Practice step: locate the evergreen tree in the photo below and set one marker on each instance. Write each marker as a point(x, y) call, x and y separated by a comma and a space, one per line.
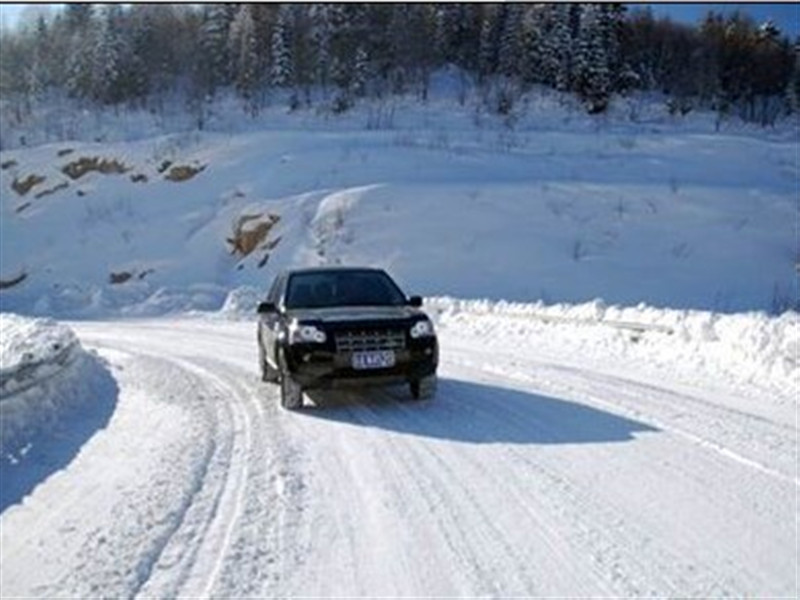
point(591, 77)
point(510, 38)
point(488, 43)
point(78, 17)
point(448, 23)
point(361, 71)
point(531, 62)
point(282, 71)
point(793, 84)
point(82, 64)
point(144, 52)
point(107, 75)
point(320, 15)
point(557, 47)
point(213, 68)
point(243, 48)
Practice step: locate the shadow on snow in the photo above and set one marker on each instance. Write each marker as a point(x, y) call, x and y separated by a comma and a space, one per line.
point(50, 450)
point(475, 413)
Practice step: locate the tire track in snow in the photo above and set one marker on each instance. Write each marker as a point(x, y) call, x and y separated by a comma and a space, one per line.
point(265, 539)
point(252, 484)
point(190, 553)
point(769, 433)
point(687, 576)
point(532, 498)
point(457, 513)
point(227, 508)
point(483, 549)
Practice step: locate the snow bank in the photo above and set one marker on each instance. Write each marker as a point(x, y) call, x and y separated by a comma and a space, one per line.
point(241, 303)
point(751, 347)
point(32, 349)
point(44, 375)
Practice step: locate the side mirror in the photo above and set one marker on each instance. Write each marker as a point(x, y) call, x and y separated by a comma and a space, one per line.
point(415, 301)
point(266, 307)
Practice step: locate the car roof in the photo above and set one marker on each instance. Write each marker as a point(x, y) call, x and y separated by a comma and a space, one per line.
point(331, 269)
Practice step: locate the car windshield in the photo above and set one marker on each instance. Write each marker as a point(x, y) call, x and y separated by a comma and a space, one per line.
point(342, 288)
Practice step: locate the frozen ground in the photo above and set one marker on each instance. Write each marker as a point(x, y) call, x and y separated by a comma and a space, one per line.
point(558, 459)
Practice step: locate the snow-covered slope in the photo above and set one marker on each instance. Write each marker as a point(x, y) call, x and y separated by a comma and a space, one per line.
point(455, 203)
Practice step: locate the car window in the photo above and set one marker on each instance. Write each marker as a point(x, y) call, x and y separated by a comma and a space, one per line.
point(274, 290)
point(342, 288)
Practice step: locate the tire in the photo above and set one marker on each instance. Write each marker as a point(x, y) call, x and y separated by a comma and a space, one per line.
point(268, 374)
point(291, 391)
point(423, 389)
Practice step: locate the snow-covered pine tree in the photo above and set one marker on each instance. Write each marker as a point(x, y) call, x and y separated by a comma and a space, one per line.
point(531, 42)
point(610, 22)
point(348, 31)
point(361, 71)
point(214, 66)
point(37, 75)
point(247, 66)
point(447, 22)
point(557, 46)
point(793, 85)
point(591, 79)
point(282, 65)
point(78, 17)
point(83, 32)
point(488, 42)
point(107, 57)
point(510, 37)
point(320, 15)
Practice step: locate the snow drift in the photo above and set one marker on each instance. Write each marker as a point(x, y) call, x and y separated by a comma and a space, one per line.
point(752, 348)
point(46, 379)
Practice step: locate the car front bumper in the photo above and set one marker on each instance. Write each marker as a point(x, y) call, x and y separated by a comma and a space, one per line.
point(315, 368)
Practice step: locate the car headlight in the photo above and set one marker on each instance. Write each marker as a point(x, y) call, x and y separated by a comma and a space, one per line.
point(300, 333)
point(422, 329)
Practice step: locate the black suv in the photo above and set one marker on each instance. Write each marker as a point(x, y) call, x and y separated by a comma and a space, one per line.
point(320, 327)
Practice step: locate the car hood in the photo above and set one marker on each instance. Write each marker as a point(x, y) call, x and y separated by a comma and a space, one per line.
point(354, 313)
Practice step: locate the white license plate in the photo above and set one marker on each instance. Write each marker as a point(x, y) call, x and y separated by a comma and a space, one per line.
point(378, 359)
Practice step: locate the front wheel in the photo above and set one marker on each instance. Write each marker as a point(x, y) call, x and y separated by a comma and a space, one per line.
point(423, 389)
point(268, 374)
point(291, 391)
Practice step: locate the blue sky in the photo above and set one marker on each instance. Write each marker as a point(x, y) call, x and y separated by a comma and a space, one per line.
point(786, 15)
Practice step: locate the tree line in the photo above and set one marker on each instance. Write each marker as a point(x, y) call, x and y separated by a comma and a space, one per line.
point(141, 54)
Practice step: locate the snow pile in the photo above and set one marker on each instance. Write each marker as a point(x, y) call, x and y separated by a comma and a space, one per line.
point(28, 345)
point(242, 302)
point(746, 347)
point(44, 375)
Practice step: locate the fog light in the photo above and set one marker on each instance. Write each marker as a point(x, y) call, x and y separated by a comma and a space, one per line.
point(428, 351)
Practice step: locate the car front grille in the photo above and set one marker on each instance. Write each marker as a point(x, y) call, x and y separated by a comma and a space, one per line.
point(372, 339)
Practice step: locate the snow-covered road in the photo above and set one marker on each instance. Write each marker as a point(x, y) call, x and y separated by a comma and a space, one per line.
point(533, 473)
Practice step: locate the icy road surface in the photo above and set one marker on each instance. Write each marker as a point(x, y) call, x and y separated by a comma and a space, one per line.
point(531, 474)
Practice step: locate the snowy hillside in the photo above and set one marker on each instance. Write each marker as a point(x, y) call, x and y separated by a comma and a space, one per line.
point(554, 207)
